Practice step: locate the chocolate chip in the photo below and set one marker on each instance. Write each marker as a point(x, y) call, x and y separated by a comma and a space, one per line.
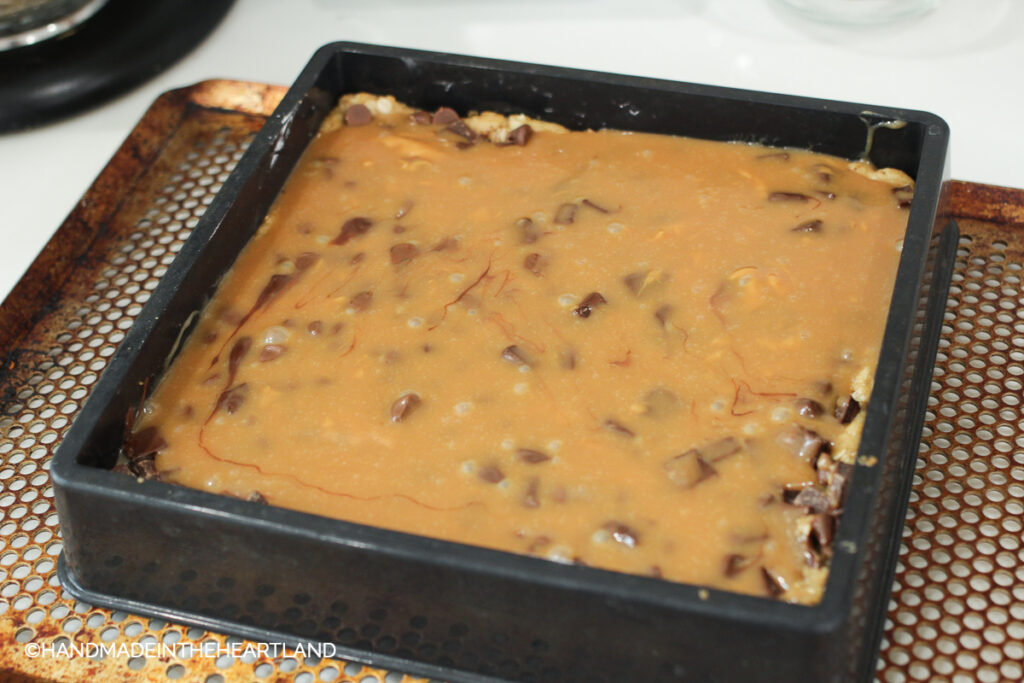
point(144, 466)
point(232, 399)
point(846, 410)
point(315, 327)
point(567, 359)
point(527, 231)
point(635, 282)
point(404, 406)
point(904, 203)
point(521, 135)
point(421, 118)
point(400, 253)
point(618, 428)
point(460, 128)
point(144, 442)
point(531, 498)
point(809, 226)
point(361, 301)
point(735, 564)
point(809, 497)
point(533, 263)
point(565, 214)
point(808, 407)
point(490, 473)
point(532, 457)
point(688, 469)
point(446, 244)
point(257, 497)
point(721, 449)
point(515, 355)
point(774, 583)
point(271, 352)
point(803, 443)
point(788, 197)
point(445, 116)
point(662, 315)
point(595, 207)
point(353, 227)
point(306, 259)
point(824, 172)
point(238, 351)
point(358, 115)
point(778, 156)
point(622, 533)
point(589, 303)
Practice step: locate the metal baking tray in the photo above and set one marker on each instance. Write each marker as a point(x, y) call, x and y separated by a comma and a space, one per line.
point(457, 612)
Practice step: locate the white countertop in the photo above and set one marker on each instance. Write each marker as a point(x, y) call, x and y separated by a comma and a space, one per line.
point(962, 62)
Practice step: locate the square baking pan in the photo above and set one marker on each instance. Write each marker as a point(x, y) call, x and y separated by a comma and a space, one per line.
point(462, 613)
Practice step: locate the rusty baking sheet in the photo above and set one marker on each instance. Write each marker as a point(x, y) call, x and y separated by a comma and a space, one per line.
point(957, 607)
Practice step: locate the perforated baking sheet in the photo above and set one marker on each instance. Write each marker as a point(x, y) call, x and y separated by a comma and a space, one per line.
point(957, 608)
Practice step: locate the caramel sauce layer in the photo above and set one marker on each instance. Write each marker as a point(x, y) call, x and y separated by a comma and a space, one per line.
point(643, 353)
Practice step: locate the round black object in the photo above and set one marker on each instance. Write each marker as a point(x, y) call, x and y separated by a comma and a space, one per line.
point(125, 43)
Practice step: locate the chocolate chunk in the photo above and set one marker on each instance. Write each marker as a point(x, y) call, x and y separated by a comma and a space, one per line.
point(778, 156)
point(238, 351)
point(421, 118)
point(531, 498)
point(808, 407)
point(257, 497)
point(846, 410)
point(809, 497)
point(144, 442)
point(621, 533)
point(618, 428)
point(662, 314)
point(521, 135)
point(565, 214)
point(735, 564)
point(445, 116)
point(532, 457)
point(353, 227)
point(809, 226)
point(515, 355)
point(527, 231)
point(589, 303)
point(660, 403)
point(490, 473)
point(804, 443)
point(144, 466)
point(839, 483)
point(361, 301)
point(404, 406)
point(904, 203)
point(823, 528)
point(567, 359)
point(271, 352)
point(595, 207)
point(358, 115)
point(315, 327)
point(460, 128)
point(533, 263)
point(400, 253)
point(232, 399)
point(774, 583)
point(788, 197)
point(688, 469)
point(721, 449)
point(635, 282)
point(306, 259)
